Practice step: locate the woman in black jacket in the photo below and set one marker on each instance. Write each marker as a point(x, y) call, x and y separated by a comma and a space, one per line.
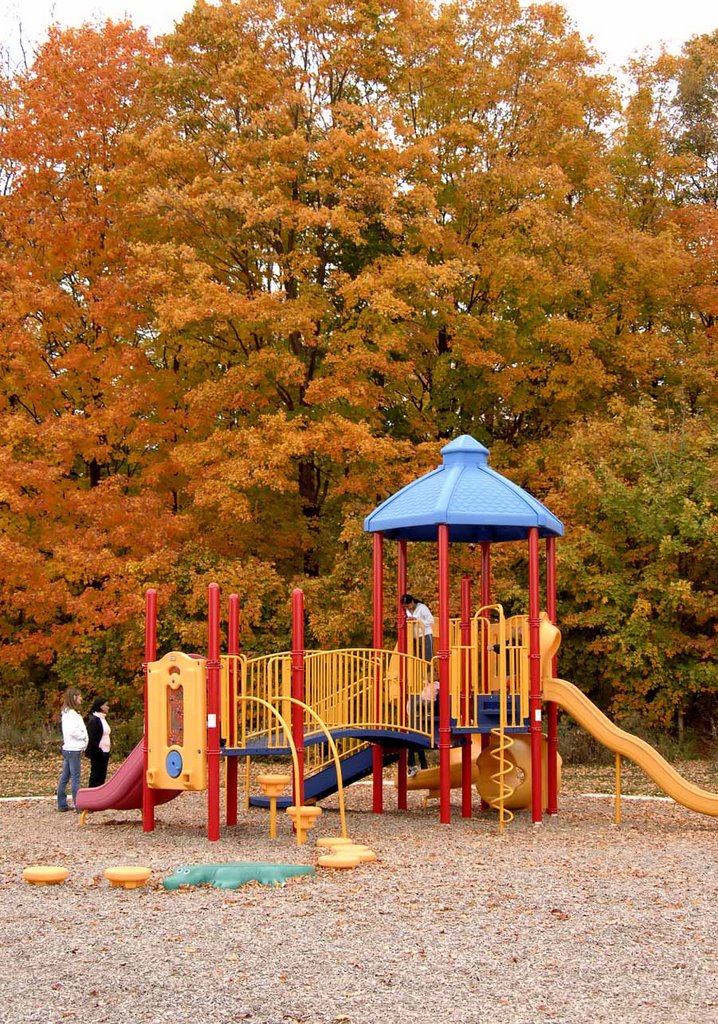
point(98, 746)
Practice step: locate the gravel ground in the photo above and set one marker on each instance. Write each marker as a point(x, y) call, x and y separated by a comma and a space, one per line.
point(571, 922)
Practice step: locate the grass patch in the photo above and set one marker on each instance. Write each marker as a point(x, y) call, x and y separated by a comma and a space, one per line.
point(36, 774)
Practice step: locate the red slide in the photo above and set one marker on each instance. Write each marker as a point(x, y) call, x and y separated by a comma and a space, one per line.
point(124, 790)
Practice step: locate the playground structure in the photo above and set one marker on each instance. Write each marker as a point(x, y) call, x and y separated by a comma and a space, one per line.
point(345, 714)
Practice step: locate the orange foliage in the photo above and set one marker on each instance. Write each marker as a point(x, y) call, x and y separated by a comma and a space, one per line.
point(253, 277)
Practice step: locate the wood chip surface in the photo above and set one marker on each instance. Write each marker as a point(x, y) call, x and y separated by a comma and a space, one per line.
point(573, 921)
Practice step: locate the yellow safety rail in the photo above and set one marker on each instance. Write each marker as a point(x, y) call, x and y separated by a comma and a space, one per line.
point(232, 669)
point(517, 665)
point(335, 757)
point(268, 677)
point(466, 670)
point(271, 676)
point(493, 659)
point(361, 689)
point(497, 662)
point(370, 690)
point(284, 725)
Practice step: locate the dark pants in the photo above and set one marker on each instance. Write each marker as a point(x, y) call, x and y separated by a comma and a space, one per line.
point(414, 707)
point(422, 757)
point(424, 647)
point(98, 768)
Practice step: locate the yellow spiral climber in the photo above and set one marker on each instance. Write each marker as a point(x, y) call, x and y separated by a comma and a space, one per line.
point(505, 767)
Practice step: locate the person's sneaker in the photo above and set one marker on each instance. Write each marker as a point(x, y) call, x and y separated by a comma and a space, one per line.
point(412, 771)
point(61, 809)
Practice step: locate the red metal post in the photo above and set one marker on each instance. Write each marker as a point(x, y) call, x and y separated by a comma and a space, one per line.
point(298, 687)
point(444, 696)
point(213, 711)
point(378, 645)
point(535, 725)
point(552, 707)
point(148, 803)
point(230, 763)
point(401, 644)
point(467, 696)
point(485, 573)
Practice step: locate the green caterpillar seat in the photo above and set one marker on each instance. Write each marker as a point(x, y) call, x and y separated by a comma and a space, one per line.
point(232, 876)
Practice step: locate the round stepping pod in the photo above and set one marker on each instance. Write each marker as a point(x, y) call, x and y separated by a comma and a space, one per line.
point(127, 876)
point(330, 842)
point(45, 874)
point(305, 816)
point(364, 854)
point(339, 859)
point(273, 785)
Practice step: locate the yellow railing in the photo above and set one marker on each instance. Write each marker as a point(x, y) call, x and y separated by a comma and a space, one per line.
point(366, 689)
point(378, 690)
point(494, 661)
point(268, 677)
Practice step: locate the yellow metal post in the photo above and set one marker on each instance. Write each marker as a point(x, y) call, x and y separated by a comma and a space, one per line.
point(247, 781)
point(272, 817)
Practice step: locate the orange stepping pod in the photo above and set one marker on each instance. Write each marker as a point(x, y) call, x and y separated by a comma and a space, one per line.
point(364, 854)
point(339, 859)
point(273, 786)
point(330, 842)
point(127, 876)
point(45, 874)
point(303, 818)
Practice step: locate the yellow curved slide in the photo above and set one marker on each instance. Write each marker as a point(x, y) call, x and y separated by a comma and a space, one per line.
point(573, 700)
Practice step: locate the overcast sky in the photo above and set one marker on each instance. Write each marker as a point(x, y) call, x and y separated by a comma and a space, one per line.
point(619, 28)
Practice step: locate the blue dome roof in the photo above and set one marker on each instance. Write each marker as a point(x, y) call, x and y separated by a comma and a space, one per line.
point(477, 503)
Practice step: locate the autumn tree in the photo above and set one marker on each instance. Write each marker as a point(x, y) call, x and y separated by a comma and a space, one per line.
point(84, 415)
point(345, 201)
point(638, 568)
point(696, 110)
point(500, 112)
point(254, 275)
point(270, 183)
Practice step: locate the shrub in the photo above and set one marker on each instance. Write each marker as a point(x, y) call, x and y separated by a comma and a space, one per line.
point(24, 725)
point(125, 736)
